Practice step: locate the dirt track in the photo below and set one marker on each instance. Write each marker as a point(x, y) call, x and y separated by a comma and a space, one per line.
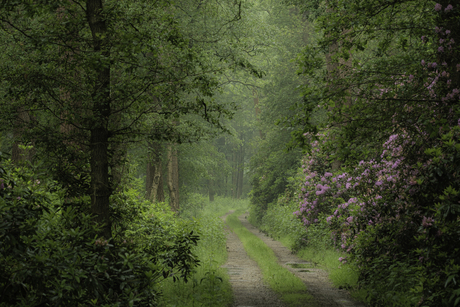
point(249, 289)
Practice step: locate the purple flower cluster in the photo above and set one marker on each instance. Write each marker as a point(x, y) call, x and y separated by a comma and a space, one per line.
point(355, 198)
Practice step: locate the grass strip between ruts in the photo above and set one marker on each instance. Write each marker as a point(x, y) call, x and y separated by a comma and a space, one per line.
point(291, 288)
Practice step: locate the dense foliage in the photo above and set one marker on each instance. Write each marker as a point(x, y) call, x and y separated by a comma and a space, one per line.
point(391, 93)
point(271, 164)
point(52, 255)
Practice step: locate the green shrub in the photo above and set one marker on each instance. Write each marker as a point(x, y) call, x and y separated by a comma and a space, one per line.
point(50, 254)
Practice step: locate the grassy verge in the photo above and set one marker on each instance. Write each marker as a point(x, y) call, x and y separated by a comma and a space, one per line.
point(282, 225)
point(343, 276)
point(209, 285)
point(292, 290)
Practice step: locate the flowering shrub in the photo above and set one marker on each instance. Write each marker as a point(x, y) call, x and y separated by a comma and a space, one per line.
point(397, 210)
point(379, 213)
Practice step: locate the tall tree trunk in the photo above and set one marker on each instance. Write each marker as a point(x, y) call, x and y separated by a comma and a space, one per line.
point(173, 178)
point(234, 173)
point(240, 172)
point(211, 190)
point(118, 166)
point(99, 157)
point(154, 180)
point(160, 189)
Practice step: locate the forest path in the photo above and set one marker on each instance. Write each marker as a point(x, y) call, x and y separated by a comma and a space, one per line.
point(248, 287)
point(246, 279)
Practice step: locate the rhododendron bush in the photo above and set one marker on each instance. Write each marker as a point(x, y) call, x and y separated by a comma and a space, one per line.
point(393, 206)
point(386, 210)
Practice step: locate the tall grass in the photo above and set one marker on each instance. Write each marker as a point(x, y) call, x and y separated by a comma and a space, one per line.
point(209, 285)
point(280, 223)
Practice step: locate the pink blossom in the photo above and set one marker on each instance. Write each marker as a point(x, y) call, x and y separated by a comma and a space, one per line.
point(440, 49)
point(427, 221)
point(448, 8)
point(438, 7)
point(447, 32)
point(423, 63)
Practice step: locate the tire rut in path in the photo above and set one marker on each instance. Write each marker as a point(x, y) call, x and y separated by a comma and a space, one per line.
point(316, 280)
point(246, 279)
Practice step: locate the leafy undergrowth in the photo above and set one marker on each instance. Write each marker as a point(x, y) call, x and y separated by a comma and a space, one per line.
point(209, 285)
point(292, 290)
point(51, 253)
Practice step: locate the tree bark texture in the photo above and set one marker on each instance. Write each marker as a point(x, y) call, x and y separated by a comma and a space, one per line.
point(173, 178)
point(99, 161)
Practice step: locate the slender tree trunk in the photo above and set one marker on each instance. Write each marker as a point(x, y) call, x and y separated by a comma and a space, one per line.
point(99, 157)
point(240, 172)
point(160, 190)
point(154, 180)
point(173, 178)
point(211, 190)
point(118, 166)
point(234, 173)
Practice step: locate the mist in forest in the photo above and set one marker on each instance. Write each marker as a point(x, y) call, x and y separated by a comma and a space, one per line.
point(128, 127)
